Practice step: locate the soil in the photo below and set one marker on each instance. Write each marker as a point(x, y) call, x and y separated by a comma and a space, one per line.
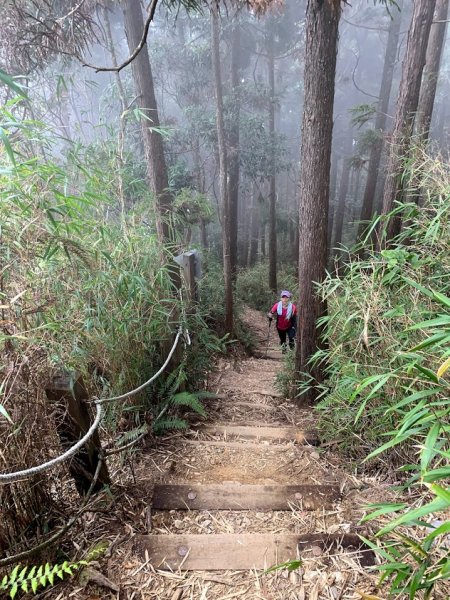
point(246, 393)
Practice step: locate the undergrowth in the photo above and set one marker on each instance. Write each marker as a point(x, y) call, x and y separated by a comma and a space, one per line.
point(252, 285)
point(85, 286)
point(386, 400)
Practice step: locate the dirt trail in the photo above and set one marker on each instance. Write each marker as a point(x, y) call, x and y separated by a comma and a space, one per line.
point(206, 455)
point(247, 395)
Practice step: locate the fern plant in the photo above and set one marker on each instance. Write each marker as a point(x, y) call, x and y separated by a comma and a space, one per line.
point(30, 579)
point(189, 400)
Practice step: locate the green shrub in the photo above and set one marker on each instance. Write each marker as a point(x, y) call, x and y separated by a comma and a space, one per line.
point(387, 394)
point(252, 285)
point(85, 285)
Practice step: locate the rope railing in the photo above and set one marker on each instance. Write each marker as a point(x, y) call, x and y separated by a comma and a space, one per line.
point(17, 475)
point(56, 536)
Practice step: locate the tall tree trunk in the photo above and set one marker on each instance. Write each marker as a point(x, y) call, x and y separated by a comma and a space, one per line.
point(332, 203)
point(440, 127)
point(262, 230)
point(390, 57)
point(244, 230)
point(272, 188)
point(146, 100)
point(250, 252)
point(431, 72)
point(233, 145)
point(322, 22)
point(355, 193)
point(222, 149)
point(407, 102)
point(339, 211)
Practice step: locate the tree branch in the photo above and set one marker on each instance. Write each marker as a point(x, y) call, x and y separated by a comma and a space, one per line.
point(353, 78)
point(138, 48)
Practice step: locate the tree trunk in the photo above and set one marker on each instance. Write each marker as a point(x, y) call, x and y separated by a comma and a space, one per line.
point(322, 21)
point(222, 149)
point(245, 225)
point(262, 229)
point(440, 127)
point(431, 72)
point(355, 193)
point(407, 102)
point(254, 228)
point(272, 188)
point(233, 146)
point(339, 211)
point(332, 203)
point(146, 100)
point(373, 167)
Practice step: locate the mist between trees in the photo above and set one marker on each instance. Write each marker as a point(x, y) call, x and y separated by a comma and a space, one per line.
point(272, 136)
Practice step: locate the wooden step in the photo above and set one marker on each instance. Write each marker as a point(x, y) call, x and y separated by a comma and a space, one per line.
point(221, 552)
point(243, 497)
point(291, 434)
point(262, 446)
point(230, 403)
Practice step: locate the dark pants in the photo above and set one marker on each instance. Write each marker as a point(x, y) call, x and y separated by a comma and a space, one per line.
point(290, 334)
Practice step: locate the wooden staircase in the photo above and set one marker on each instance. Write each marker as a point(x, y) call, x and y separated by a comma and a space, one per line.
point(242, 445)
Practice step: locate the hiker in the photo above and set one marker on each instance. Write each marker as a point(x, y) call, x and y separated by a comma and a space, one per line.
point(286, 319)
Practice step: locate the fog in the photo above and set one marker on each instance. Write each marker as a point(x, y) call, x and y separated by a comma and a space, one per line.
point(83, 107)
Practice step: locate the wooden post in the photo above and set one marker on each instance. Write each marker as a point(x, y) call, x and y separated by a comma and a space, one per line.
point(189, 259)
point(188, 262)
point(73, 420)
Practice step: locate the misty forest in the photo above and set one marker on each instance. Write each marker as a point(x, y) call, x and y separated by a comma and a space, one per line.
point(224, 299)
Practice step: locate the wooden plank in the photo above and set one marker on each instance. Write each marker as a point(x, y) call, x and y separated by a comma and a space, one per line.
point(264, 447)
point(243, 497)
point(262, 433)
point(247, 423)
point(234, 552)
point(254, 405)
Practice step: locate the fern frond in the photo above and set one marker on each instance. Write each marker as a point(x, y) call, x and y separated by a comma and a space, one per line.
point(169, 423)
point(190, 400)
point(28, 579)
point(130, 436)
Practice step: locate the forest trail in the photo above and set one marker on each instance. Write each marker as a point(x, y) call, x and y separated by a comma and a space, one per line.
point(264, 492)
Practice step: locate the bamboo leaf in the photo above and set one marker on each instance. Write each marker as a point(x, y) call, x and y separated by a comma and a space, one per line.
point(4, 412)
point(441, 530)
point(411, 516)
point(390, 444)
point(434, 340)
point(435, 474)
point(429, 451)
point(443, 494)
point(436, 322)
point(443, 368)
point(428, 373)
point(383, 510)
point(9, 81)
point(9, 151)
point(418, 287)
point(441, 298)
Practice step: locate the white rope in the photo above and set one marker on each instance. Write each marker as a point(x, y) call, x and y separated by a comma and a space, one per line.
point(11, 477)
point(147, 383)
